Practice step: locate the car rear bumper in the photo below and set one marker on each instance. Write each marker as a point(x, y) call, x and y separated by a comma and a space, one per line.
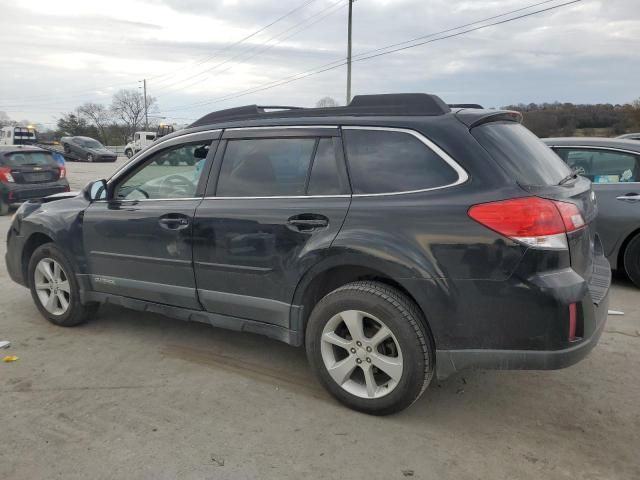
point(19, 192)
point(594, 305)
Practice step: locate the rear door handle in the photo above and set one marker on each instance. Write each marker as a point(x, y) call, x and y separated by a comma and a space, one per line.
point(308, 222)
point(174, 221)
point(631, 197)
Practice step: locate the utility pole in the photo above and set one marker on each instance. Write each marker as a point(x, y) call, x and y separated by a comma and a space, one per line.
point(146, 116)
point(349, 52)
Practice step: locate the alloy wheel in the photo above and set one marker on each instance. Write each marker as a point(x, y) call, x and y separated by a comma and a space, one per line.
point(52, 286)
point(361, 354)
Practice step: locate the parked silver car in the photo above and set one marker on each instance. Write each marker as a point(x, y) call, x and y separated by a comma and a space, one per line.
point(87, 148)
point(613, 165)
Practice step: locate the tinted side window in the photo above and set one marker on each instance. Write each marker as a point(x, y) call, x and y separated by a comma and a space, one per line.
point(265, 167)
point(325, 176)
point(602, 166)
point(385, 162)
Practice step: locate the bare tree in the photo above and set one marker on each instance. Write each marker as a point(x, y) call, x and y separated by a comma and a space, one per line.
point(128, 106)
point(98, 115)
point(4, 119)
point(327, 102)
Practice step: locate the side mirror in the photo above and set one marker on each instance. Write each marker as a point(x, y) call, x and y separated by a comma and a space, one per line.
point(96, 191)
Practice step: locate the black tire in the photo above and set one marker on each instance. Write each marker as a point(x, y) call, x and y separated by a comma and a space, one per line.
point(66, 148)
point(128, 152)
point(404, 320)
point(631, 260)
point(77, 313)
point(4, 208)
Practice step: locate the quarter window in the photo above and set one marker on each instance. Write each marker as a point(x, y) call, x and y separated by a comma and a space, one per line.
point(171, 173)
point(265, 167)
point(602, 166)
point(386, 162)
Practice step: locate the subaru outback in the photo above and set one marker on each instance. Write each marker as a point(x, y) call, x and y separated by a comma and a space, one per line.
point(396, 238)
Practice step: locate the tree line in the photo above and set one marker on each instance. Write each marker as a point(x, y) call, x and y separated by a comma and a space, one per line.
point(116, 123)
point(568, 120)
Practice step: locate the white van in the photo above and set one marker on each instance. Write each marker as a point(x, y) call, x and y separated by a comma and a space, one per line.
point(18, 136)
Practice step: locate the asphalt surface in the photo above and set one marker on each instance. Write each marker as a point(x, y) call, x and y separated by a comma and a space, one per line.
point(140, 396)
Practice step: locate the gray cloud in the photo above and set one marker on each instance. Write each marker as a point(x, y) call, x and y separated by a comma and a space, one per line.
point(585, 53)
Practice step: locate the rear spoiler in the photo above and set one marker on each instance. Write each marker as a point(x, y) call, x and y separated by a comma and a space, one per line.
point(475, 117)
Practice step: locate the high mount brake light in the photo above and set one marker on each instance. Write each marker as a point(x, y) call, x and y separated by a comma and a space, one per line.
point(534, 221)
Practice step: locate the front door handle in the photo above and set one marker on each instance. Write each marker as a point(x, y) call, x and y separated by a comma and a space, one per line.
point(174, 221)
point(308, 222)
point(630, 197)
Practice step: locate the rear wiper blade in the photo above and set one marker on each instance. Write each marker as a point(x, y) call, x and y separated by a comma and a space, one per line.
point(572, 175)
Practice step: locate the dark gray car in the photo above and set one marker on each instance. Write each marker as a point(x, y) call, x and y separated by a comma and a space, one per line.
point(613, 165)
point(87, 148)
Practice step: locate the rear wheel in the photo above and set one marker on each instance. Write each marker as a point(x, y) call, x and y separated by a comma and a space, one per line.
point(631, 260)
point(66, 148)
point(4, 207)
point(368, 346)
point(54, 288)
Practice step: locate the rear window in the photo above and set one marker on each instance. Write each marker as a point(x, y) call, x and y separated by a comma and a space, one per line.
point(89, 143)
point(387, 162)
point(521, 153)
point(19, 159)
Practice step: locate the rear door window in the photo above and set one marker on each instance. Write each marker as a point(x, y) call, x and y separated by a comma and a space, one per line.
point(386, 162)
point(521, 154)
point(265, 167)
point(325, 174)
point(602, 166)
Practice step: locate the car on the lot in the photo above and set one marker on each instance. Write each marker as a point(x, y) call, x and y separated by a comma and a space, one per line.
point(395, 238)
point(630, 136)
point(28, 172)
point(87, 148)
point(613, 165)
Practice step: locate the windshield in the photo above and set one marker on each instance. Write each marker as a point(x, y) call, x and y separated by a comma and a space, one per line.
point(521, 153)
point(19, 159)
point(90, 143)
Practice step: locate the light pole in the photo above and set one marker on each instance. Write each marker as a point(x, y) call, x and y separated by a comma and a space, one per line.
point(146, 117)
point(349, 52)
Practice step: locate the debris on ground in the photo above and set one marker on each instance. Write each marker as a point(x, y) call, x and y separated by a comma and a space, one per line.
point(217, 459)
point(9, 358)
point(615, 312)
point(408, 473)
point(5, 344)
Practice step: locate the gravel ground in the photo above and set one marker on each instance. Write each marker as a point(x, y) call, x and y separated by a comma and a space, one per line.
point(133, 395)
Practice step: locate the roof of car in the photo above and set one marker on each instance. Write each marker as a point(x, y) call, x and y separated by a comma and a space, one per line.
point(20, 148)
point(619, 143)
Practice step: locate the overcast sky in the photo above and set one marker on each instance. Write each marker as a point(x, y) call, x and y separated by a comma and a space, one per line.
point(55, 55)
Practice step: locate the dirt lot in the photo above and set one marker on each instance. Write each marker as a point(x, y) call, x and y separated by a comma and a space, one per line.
point(133, 395)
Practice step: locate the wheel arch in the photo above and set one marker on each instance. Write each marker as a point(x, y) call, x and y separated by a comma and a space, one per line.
point(35, 240)
point(327, 276)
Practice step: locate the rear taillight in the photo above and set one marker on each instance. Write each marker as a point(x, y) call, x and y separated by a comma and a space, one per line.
point(534, 221)
point(63, 172)
point(5, 175)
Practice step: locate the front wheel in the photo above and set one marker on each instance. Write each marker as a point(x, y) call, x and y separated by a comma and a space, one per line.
point(55, 289)
point(369, 347)
point(128, 152)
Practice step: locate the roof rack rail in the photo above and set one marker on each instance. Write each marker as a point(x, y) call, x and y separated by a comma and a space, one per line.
point(396, 104)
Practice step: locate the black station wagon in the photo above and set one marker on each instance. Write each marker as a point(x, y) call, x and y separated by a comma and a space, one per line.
point(395, 238)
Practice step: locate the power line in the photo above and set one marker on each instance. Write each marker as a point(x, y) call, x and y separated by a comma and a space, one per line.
point(369, 55)
point(242, 40)
point(297, 28)
point(78, 95)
